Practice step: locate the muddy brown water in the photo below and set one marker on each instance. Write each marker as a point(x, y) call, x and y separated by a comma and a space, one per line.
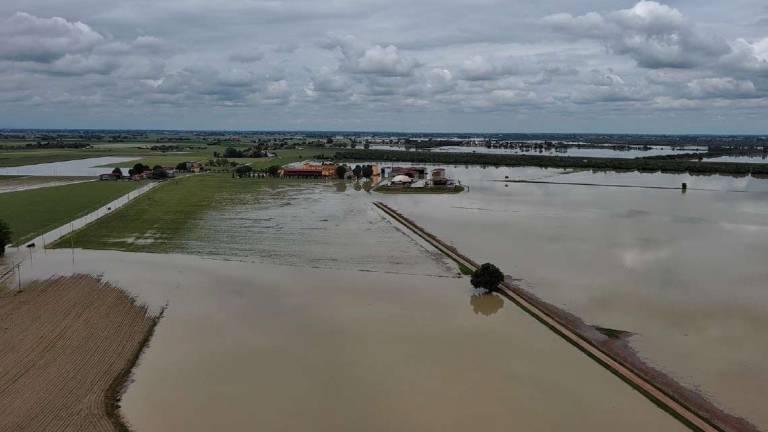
point(246, 346)
point(313, 312)
point(685, 273)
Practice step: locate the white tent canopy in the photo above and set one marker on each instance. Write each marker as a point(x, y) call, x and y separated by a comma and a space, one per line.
point(402, 179)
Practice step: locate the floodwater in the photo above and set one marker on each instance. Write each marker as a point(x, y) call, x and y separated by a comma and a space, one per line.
point(607, 152)
point(75, 168)
point(740, 159)
point(254, 346)
point(314, 225)
point(17, 184)
point(685, 272)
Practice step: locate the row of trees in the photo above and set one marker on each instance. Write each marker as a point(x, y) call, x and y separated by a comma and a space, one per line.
point(157, 172)
point(619, 164)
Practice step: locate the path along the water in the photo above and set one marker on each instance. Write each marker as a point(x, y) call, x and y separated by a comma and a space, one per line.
point(685, 405)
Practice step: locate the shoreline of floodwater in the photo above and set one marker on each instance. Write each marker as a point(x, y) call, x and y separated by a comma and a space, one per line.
point(615, 354)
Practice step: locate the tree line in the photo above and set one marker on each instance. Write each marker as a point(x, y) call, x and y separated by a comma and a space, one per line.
point(615, 164)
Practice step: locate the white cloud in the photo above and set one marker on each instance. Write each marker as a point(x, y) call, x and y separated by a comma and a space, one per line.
point(653, 34)
point(28, 38)
point(722, 87)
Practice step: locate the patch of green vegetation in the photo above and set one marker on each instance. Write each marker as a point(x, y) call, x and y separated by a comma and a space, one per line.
point(466, 271)
point(420, 190)
point(158, 219)
point(30, 213)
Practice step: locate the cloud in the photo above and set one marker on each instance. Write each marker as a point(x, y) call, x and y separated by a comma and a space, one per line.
point(226, 64)
point(653, 34)
point(722, 87)
point(360, 57)
point(749, 57)
point(44, 40)
point(246, 57)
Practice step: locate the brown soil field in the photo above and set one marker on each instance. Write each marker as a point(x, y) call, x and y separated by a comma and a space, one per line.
point(68, 345)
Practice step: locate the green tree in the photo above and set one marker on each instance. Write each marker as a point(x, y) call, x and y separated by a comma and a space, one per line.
point(139, 168)
point(341, 171)
point(488, 276)
point(274, 170)
point(5, 236)
point(232, 152)
point(181, 166)
point(117, 172)
point(357, 171)
point(367, 171)
point(159, 172)
point(243, 170)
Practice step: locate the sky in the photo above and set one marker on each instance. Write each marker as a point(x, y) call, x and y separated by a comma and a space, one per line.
point(614, 66)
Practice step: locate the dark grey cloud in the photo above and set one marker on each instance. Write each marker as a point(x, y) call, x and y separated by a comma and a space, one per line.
point(385, 64)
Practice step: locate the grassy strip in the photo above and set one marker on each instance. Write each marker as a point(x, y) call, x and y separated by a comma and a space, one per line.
point(466, 271)
point(160, 216)
point(419, 190)
point(33, 212)
point(618, 164)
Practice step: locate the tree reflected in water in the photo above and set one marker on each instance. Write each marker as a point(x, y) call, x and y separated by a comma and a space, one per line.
point(486, 303)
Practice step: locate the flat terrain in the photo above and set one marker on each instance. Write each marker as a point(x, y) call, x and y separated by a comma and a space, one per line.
point(17, 183)
point(157, 217)
point(30, 213)
point(74, 339)
point(15, 157)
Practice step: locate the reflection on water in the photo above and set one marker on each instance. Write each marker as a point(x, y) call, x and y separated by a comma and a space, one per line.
point(311, 224)
point(685, 272)
point(741, 159)
point(252, 346)
point(486, 303)
point(607, 152)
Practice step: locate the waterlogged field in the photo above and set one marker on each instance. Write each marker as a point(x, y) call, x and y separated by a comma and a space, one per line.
point(607, 152)
point(250, 345)
point(19, 183)
point(685, 273)
point(325, 225)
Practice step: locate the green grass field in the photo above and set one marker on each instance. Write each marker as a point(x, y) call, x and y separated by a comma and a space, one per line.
point(33, 212)
point(158, 218)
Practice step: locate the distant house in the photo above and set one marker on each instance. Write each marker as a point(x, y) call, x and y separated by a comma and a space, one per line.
point(438, 176)
point(324, 169)
point(109, 176)
point(412, 172)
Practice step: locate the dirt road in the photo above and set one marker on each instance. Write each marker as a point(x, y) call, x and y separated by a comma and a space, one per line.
point(688, 406)
point(67, 347)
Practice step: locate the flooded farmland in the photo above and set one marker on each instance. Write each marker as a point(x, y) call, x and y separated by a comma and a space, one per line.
point(298, 306)
point(71, 168)
point(247, 346)
point(684, 272)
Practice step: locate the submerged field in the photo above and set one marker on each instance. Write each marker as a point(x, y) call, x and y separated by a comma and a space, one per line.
point(684, 273)
point(315, 269)
point(246, 345)
point(30, 213)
